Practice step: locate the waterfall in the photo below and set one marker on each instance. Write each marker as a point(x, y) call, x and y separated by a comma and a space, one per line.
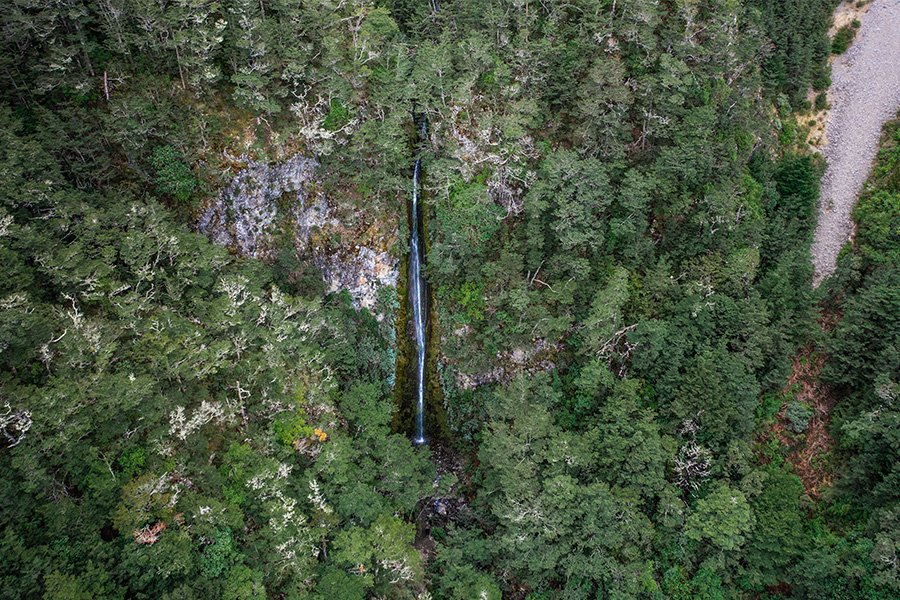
point(417, 291)
point(416, 307)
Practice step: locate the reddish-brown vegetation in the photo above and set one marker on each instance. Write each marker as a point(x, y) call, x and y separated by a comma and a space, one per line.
point(809, 451)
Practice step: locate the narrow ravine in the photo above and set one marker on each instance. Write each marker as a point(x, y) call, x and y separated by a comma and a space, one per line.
point(864, 94)
point(419, 411)
point(417, 294)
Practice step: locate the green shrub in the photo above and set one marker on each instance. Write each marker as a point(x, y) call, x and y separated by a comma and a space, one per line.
point(336, 584)
point(878, 212)
point(132, 461)
point(878, 218)
point(235, 470)
point(217, 555)
point(469, 218)
point(291, 428)
point(173, 176)
point(821, 101)
point(768, 408)
point(338, 116)
point(788, 132)
point(842, 39)
point(822, 82)
point(798, 415)
point(471, 299)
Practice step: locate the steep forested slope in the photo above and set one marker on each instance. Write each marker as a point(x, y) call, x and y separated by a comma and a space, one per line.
point(618, 246)
point(863, 365)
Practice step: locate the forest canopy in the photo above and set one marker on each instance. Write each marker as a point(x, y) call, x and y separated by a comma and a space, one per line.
point(618, 216)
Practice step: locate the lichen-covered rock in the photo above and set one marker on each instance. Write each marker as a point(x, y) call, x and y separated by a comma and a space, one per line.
point(362, 275)
point(268, 199)
point(541, 357)
point(243, 214)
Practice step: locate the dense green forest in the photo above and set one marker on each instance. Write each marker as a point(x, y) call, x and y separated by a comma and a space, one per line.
point(619, 215)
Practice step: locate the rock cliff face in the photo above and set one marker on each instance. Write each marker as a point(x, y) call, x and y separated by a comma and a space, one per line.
point(540, 357)
point(243, 215)
point(266, 203)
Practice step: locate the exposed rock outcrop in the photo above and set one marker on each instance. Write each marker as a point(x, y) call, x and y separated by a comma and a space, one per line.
point(361, 275)
point(536, 359)
point(268, 205)
point(244, 213)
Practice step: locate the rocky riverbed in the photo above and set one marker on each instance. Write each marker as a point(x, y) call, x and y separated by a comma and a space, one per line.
point(865, 92)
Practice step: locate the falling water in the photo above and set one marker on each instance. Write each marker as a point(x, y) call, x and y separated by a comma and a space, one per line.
point(417, 291)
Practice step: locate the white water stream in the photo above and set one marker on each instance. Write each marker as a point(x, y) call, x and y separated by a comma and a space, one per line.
point(417, 293)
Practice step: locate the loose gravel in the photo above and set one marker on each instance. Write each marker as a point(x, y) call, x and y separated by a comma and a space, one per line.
point(865, 92)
